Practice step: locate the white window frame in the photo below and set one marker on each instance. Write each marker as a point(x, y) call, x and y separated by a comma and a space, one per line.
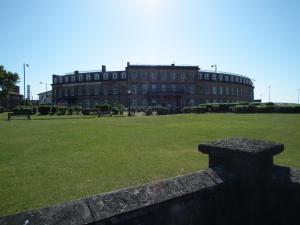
point(88, 77)
point(96, 76)
point(123, 75)
point(80, 77)
point(134, 89)
point(73, 78)
point(105, 76)
point(115, 76)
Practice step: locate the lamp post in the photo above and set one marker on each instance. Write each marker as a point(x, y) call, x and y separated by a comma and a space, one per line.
point(24, 68)
point(298, 90)
point(216, 70)
point(269, 93)
point(128, 101)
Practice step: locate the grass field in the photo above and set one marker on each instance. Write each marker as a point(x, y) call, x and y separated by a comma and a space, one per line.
point(45, 162)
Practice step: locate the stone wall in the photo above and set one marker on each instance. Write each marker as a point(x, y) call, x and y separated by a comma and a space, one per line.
point(242, 186)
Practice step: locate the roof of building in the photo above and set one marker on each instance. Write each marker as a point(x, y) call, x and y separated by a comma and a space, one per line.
point(171, 67)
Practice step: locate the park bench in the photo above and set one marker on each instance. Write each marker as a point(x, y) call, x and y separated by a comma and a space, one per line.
point(10, 114)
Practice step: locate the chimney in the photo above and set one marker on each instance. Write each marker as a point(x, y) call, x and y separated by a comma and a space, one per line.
point(128, 63)
point(103, 68)
point(76, 72)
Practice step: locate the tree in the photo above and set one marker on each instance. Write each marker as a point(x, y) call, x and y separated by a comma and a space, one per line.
point(7, 81)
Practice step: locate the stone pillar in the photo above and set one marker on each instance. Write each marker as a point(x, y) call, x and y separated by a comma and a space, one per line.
point(252, 162)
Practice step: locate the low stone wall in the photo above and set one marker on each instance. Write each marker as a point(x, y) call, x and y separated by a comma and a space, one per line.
point(241, 187)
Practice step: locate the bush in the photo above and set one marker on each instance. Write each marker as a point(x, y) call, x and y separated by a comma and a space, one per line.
point(243, 109)
point(22, 110)
point(86, 112)
point(70, 110)
point(53, 109)
point(263, 108)
point(199, 109)
point(34, 110)
point(161, 110)
point(287, 108)
point(44, 109)
point(61, 110)
point(77, 109)
point(104, 107)
point(187, 109)
point(115, 110)
point(148, 111)
point(1, 109)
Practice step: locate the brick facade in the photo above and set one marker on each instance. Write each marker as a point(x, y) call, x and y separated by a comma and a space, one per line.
point(150, 85)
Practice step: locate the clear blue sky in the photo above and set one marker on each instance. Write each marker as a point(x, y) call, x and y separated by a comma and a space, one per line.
point(258, 38)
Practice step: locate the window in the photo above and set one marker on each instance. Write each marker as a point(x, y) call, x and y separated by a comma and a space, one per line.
point(173, 87)
point(96, 76)
point(133, 89)
point(221, 90)
point(232, 78)
point(173, 75)
point(88, 77)
point(133, 75)
point(164, 76)
point(153, 76)
point(214, 77)
point(163, 88)
point(66, 79)
point(227, 91)
point(144, 88)
point(200, 77)
point(54, 80)
point(144, 75)
point(80, 77)
point(206, 76)
point(192, 89)
point(87, 91)
point(144, 102)
point(105, 90)
point(60, 79)
point(115, 89)
point(123, 75)
point(182, 76)
point(226, 78)
point(192, 102)
point(153, 87)
point(214, 90)
point(66, 92)
point(237, 91)
point(115, 76)
point(72, 91)
point(72, 78)
point(105, 76)
point(134, 102)
point(236, 79)
point(220, 77)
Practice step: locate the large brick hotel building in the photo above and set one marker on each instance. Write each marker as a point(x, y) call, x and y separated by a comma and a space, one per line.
point(150, 85)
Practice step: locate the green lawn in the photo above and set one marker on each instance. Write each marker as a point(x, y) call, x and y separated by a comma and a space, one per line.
point(44, 162)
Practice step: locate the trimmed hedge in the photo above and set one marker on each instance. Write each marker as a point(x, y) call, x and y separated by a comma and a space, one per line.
point(104, 107)
point(86, 112)
point(161, 110)
point(22, 110)
point(44, 109)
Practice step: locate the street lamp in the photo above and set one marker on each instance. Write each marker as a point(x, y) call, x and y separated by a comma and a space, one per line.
point(216, 70)
point(269, 93)
point(24, 66)
point(128, 101)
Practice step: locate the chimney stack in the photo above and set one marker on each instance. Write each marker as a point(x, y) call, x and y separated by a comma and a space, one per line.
point(103, 68)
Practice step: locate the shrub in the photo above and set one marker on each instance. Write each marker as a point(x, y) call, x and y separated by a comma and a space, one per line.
point(104, 107)
point(287, 108)
point(86, 112)
point(61, 110)
point(1, 109)
point(77, 109)
point(70, 110)
point(53, 109)
point(22, 110)
point(44, 109)
point(187, 109)
point(148, 111)
point(34, 110)
point(199, 109)
point(161, 110)
point(115, 110)
point(243, 109)
point(263, 108)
